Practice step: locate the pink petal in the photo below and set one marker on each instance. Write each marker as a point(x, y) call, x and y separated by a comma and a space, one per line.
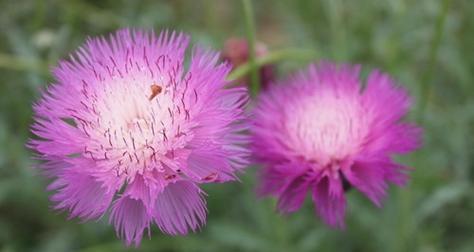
point(330, 202)
point(369, 178)
point(130, 219)
point(83, 196)
point(143, 190)
point(276, 178)
point(180, 207)
point(384, 99)
point(294, 194)
point(203, 165)
point(336, 78)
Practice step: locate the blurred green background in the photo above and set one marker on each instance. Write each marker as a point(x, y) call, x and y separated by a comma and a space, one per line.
point(428, 45)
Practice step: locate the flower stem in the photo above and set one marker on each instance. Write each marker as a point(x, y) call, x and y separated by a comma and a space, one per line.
point(250, 30)
point(274, 56)
point(433, 55)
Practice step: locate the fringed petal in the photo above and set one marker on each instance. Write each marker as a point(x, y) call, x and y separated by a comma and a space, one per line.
point(179, 208)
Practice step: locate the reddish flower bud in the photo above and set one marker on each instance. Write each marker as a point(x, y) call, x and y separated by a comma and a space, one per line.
point(236, 51)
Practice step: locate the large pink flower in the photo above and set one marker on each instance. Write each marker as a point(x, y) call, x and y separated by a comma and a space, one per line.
point(127, 127)
point(322, 131)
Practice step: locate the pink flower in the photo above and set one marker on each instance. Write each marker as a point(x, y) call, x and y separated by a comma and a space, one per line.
point(322, 130)
point(127, 127)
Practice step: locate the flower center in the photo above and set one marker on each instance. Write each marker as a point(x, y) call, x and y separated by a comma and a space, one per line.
point(135, 124)
point(326, 128)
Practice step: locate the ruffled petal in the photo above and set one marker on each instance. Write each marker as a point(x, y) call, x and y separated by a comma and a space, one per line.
point(294, 194)
point(180, 207)
point(130, 218)
point(274, 179)
point(328, 195)
point(143, 190)
point(334, 78)
point(386, 104)
point(384, 99)
point(209, 166)
point(396, 138)
point(81, 194)
point(53, 133)
point(371, 177)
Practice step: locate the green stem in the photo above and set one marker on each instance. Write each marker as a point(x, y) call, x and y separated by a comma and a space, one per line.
point(272, 57)
point(407, 230)
point(433, 55)
point(337, 28)
point(250, 29)
point(403, 239)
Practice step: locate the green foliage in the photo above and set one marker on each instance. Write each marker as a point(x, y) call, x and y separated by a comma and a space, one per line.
point(427, 45)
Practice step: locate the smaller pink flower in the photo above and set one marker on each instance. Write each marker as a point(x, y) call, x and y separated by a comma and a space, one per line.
point(321, 132)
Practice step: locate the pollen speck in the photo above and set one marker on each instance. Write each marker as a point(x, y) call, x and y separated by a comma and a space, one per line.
point(155, 90)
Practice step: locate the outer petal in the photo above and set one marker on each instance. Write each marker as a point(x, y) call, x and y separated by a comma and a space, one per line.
point(386, 104)
point(81, 194)
point(395, 138)
point(57, 133)
point(143, 190)
point(328, 195)
point(209, 166)
point(218, 120)
point(269, 139)
point(180, 207)
point(52, 166)
point(382, 95)
point(130, 219)
point(274, 179)
point(335, 78)
point(371, 177)
point(294, 194)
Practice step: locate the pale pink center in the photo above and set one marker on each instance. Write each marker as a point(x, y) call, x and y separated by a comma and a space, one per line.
point(326, 128)
point(131, 131)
